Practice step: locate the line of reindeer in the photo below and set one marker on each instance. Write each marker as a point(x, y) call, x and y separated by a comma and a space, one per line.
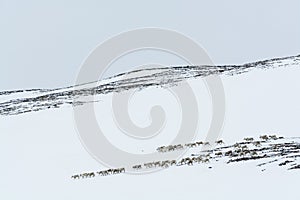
point(163, 164)
point(168, 163)
point(99, 173)
point(163, 149)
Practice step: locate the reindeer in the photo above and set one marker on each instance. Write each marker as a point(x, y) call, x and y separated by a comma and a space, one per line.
point(237, 145)
point(197, 159)
point(109, 171)
point(157, 164)
point(137, 167)
point(264, 137)
point(100, 173)
point(273, 137)
point(247, 151)
point(228, 153)
point(75, 176)
point(238, 150)
point(165, 164)
point(189, 161)
point(87, 175)
point(257, 143)
point(181, 162)
point(118, 171)
point(170, 148)
point(219, 142)
point(122, 170)
point(242, 153)
point(179, 146)
point(206, 143)
point(188, 145)
point(149, 165)
point(193, 145)
point(250, 139)
point(173, 162)
point(161, 149)
point(84, 175)
point(105, 173)
point(208, 156)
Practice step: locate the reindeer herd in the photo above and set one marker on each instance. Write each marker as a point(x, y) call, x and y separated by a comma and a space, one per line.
point(164, 149)
point(157, 164)
point(236, 152)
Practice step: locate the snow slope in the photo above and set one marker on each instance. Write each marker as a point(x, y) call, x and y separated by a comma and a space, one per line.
point(41, 150)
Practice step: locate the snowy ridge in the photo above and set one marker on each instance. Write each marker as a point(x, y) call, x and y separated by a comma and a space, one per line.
point(23, 101)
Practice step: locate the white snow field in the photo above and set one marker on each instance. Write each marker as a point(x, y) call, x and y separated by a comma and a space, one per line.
point(41, 150)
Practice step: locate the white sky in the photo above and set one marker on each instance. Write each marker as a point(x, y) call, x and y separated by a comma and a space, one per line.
point(43, 44)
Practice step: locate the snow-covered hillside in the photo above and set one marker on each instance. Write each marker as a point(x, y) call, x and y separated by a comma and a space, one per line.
point(41, 149)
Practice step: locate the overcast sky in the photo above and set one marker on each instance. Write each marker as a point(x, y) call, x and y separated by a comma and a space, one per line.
point(44, 43)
